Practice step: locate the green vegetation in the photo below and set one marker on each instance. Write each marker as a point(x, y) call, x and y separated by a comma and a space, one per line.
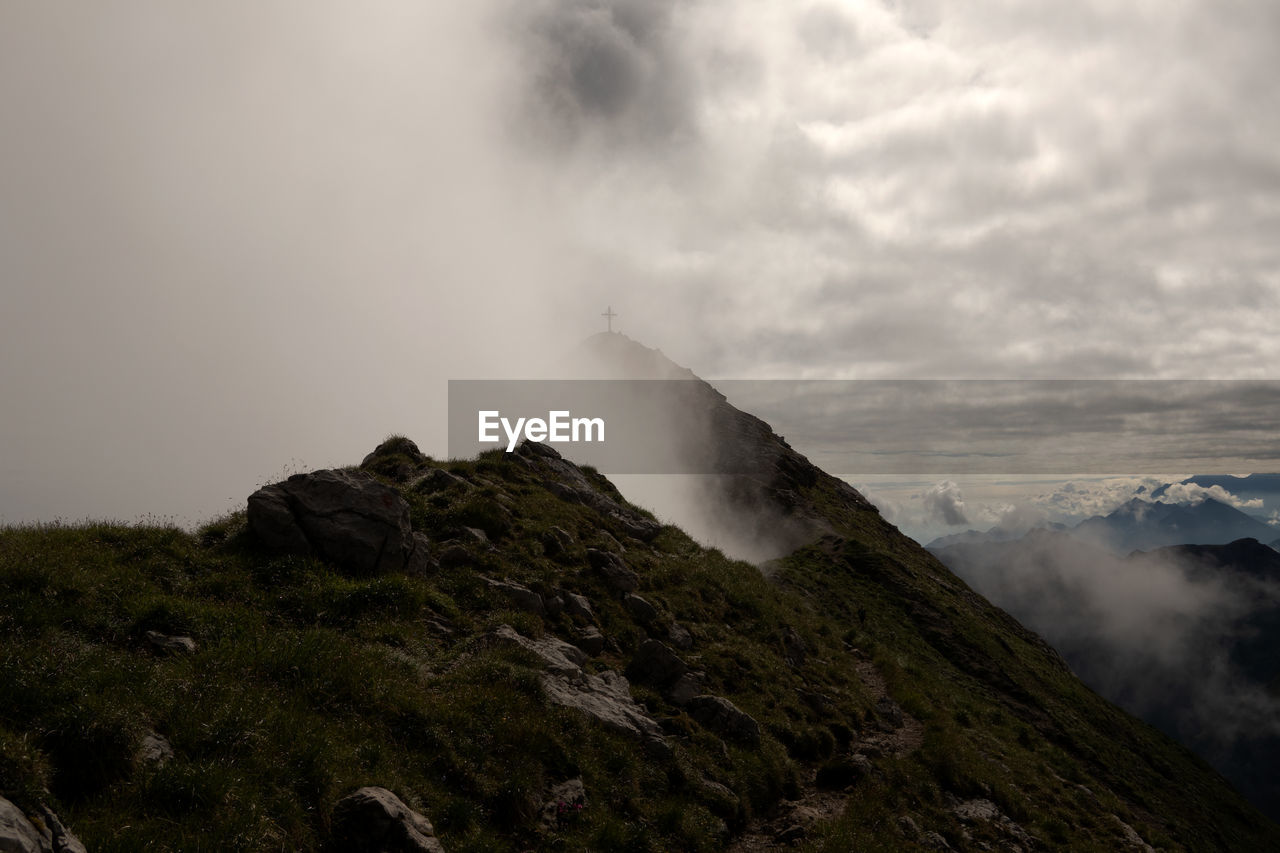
point(307, 683)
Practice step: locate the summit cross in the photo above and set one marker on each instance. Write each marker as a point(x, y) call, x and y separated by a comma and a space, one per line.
point(609, 315)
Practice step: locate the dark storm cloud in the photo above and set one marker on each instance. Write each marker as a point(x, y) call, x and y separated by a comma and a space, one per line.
point(604, 70)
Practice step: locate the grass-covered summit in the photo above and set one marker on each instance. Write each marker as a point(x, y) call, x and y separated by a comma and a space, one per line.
point(856, 696)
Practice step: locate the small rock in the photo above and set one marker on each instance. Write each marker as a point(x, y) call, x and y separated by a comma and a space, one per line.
point(890, 714)
point(640, 609)
point(934, 841)
point(420, 563)
point(843, 772)
point(790, 835)
point(436, 480)
point(556, 542)
point(522, 597)
point(616, 573)
point(721, 715)
point(475, 536)
point(578, 605)
point(170, 644)
point(977, 810)
point(564, 803)
point(685, 688)
point(559, 656)
point(638, 527)
point(680, 637)
point(590, 640)
point(155, 750)
point(655, 663)
point(455, 555)
point(374, 820)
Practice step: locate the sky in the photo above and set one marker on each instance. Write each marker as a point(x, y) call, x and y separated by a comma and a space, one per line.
point(238, 241)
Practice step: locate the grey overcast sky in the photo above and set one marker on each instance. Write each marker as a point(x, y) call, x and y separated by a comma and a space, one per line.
point(238, 238)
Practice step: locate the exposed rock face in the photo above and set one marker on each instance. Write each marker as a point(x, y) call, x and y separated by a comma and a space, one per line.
point(606, 696)
point(559, 657)
point(374, 820)
point(19, 835)
point(345, 517)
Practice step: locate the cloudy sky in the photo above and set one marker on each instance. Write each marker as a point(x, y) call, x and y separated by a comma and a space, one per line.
point(236, 240)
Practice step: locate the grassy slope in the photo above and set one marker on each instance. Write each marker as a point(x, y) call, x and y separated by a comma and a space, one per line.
point(308, 683)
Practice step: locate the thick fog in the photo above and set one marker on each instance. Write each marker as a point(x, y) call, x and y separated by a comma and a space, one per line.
point(238, 240)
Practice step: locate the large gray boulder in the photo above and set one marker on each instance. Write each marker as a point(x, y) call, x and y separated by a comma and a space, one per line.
point(345, 517)
point(374, 820)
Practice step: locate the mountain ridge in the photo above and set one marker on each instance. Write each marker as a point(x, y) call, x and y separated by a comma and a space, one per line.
point(542, 665)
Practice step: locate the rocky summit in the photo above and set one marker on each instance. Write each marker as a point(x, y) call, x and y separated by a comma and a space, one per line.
point(505, 654)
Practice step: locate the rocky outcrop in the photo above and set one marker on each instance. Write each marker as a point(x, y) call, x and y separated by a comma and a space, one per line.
point(46, 834)
point(606, 696)
point(568, 483)
point(374, 820)
point(345, 517)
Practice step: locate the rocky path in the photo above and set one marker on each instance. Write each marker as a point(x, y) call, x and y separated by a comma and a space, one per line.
point(897, 734)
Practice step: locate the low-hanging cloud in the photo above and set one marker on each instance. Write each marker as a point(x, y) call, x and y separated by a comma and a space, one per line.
point(1153, 632)
point(945, 502)
point(1194, 493)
